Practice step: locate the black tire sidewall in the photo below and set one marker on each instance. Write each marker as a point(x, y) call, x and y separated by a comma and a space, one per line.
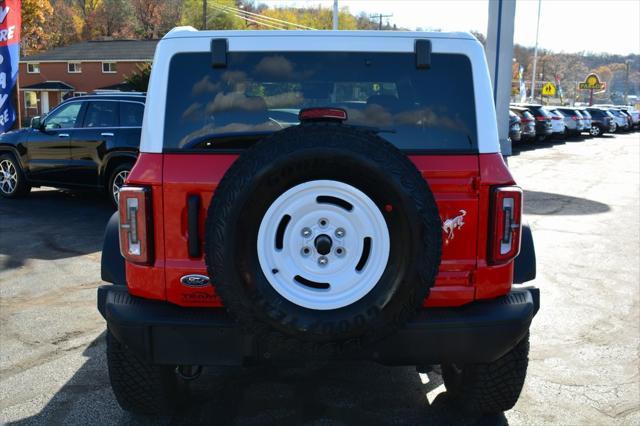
point(234, 266)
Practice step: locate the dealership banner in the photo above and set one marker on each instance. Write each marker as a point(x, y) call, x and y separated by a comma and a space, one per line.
point(10, 21)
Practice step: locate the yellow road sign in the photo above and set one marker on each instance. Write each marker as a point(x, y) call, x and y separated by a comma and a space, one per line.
point(549, 89)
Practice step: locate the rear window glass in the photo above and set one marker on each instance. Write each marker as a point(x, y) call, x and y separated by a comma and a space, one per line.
point(259, 93)
point(101, 114)
point(540, 111)
point(131, 114)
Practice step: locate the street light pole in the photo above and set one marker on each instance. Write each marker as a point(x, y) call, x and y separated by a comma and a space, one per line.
point(335, 14)
point(535, 55)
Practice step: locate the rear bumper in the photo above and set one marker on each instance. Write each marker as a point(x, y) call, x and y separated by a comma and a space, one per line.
point(163, 333)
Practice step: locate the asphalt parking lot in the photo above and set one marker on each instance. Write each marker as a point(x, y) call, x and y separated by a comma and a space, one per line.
point(582, 199)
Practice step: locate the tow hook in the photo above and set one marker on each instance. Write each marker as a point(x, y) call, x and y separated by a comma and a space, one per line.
point(189, 372)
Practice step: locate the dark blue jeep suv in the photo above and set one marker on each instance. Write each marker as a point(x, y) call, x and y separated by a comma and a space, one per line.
point(85, 142)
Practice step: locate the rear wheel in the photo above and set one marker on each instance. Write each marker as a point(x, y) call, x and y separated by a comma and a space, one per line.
point(140, 387)
point(13, 183)
point(489, 387)
point(595, 130)
point(116, 181)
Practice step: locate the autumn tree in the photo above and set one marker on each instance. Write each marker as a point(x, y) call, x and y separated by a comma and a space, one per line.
point(155, 17)
point(114, 18)
point(88, 10)
point(62, 27)
point(35, 14)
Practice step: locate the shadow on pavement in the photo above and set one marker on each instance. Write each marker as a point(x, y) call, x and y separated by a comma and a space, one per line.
point(339, 393)
point(51, 224)
point(546, 203)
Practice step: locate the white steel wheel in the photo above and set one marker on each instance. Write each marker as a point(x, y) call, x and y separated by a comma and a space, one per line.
point(323, 245)
point(8, 177)
point(117, 184)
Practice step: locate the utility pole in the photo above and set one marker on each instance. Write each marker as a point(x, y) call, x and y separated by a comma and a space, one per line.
point(380, 16)
point(535, 55)
point(335, 14)
point(204, 14)
point(627, 63)
point(542, 79)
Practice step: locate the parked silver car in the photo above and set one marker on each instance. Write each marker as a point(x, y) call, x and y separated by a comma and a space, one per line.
point(573, 120)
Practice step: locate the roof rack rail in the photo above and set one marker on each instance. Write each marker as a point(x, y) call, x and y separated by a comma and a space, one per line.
point(117, 92)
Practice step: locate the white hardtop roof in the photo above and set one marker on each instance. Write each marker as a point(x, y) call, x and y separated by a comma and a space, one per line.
point(187, 39)
point(190, 32)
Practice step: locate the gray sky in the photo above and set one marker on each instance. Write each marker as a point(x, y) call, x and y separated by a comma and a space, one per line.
point(611, 26)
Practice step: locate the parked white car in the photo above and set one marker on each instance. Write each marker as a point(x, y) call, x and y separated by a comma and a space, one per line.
point(635, 115)
point(557, 123)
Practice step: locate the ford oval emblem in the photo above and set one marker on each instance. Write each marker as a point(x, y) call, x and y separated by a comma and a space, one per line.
point(195, 280)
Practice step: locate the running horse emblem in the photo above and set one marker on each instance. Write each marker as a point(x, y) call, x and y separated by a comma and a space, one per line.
point(454, 223)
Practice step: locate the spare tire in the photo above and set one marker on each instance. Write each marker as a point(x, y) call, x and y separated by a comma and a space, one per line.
point(322, 234)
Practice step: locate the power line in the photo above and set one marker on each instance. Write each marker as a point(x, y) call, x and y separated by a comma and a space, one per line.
point(257, 17)
point(380, 16)
point(265, 24)
point(248, 19)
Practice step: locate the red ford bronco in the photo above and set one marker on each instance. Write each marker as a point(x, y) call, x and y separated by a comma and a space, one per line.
point(306, 196)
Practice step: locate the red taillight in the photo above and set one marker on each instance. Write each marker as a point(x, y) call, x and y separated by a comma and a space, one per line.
point(541, 118)
point(574, 118)
point(506, 228)
point(135, 224)
point(526, 120)
point(555, 118)
point(322, 114)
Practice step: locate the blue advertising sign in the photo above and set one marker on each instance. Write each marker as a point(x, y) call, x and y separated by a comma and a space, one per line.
point(10, 21)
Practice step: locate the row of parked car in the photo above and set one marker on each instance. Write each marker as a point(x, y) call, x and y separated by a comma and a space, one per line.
point(532, 122)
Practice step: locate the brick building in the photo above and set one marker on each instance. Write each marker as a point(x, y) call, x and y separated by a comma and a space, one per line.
point(46, 78)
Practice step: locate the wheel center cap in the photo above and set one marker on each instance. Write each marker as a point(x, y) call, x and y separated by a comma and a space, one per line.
point(323, 244)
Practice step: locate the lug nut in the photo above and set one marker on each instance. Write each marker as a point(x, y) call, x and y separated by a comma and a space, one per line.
point(306, 251)
point(306, 232)
point(323, 261)
point(340, 232)
point(323, 222)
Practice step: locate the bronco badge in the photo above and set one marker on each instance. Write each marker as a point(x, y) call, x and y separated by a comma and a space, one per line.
point(450, 225)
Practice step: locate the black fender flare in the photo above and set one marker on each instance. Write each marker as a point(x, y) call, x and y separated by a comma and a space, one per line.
point(524, 266)
point(112, 266)
point(11, 149)
point(115, 156)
